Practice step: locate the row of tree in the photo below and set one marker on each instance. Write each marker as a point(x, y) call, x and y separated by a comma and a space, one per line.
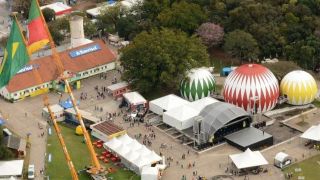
point(253, 29)
point(246, 29)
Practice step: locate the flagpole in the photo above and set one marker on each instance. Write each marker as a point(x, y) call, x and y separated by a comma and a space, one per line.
point(96, 167)
point(47, 105)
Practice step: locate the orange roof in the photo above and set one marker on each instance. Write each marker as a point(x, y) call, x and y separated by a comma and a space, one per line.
point(49, 72)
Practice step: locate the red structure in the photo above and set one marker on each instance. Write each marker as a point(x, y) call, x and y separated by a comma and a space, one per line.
point(252, 87)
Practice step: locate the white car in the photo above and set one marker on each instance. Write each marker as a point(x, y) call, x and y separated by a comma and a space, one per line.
point(31, 171)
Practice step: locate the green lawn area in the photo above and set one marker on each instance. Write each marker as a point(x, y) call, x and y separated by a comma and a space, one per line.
point(57, 169)
point(310, 168)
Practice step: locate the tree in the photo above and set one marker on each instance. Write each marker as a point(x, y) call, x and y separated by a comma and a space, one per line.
point(108, 18)
point(49, 14)
point(182, 15)
point(59, 29)
point(211, 34)
point(160, 59)
point(22, 6)
point(56, 34)
point(127, 27)
point(89, 28)
point(242, 45)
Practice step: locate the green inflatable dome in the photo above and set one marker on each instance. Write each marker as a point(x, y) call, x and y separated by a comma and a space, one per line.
point(199, 84)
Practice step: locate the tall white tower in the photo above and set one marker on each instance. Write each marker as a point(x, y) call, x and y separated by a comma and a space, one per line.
point(77, 32)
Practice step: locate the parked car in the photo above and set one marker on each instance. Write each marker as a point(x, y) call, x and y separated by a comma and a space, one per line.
point(31, 172)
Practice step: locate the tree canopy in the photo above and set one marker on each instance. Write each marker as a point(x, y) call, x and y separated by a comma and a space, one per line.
point(241, 45)
point(285, 29)
point(182, 15)
point(211, 34)
point(160, 59)
point(48, 14)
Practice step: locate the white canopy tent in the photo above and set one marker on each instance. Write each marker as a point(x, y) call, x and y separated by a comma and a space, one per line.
point(166, 103)
point(149, 173)
point(134, 98)
point(154, 156)
point(134, 145)
point(140, 162)
point(59, 8)
point(313, 133)
point(125, 139)
point(123, 150)
point(181, 117)
point(248, 159)
point(202, 103)
point(113, 144)
point(282, 159)
point(133, 154)
point(11, 168)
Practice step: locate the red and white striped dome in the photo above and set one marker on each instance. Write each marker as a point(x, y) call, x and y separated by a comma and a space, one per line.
point(252, 85)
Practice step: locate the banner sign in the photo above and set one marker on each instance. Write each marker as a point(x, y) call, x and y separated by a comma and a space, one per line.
point(85, 50)
point(27, 68)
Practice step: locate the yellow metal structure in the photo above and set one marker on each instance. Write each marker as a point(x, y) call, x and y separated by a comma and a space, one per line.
point(56, 127)
point(96, 167)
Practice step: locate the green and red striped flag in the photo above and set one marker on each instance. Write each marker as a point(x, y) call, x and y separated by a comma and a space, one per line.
point(15, 55)
point(37, 34)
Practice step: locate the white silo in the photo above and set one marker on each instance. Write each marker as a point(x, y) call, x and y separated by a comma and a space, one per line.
point(77, 32)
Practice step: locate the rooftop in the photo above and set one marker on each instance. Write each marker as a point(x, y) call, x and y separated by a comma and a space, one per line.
point(48, 71)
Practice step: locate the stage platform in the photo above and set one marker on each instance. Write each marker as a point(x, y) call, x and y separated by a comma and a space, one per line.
point(251, 137)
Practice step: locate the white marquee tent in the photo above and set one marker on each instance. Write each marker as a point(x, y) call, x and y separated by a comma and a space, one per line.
point(181, 117)
point(202, 103)
point(113, 144)
point(11, 168)
point(125, 139)
point(133, 154)
point(149, 173)
point(313, 133)
point(248, 159)
point(166, 103)
point(134, 98)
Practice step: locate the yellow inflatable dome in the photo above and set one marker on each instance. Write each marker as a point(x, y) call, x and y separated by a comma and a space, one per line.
point(79, 130)
point(299, 86)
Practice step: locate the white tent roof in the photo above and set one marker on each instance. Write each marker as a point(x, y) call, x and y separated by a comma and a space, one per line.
point(96, 11)
point(154, 156)
point(141, 161)
point(149, 173)
point(281, 156)
point(113, 144)
point(248, 159)
point(117, 86)
point(132, 151)
point(54, 108)
point(144, 150)
point(134, 98)
point(123, 150)
point(58, 7)
point(11, 168)
point(125, 139)
point(182, 113)
point(131, 156)
point(202, 103)
point(134, 145)
point(312, 133)
point(166, 103)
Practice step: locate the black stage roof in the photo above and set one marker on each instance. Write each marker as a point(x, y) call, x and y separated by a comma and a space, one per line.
point(251, 137)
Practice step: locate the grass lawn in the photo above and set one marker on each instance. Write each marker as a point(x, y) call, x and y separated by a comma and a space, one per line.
point(57, 169)
point(310, 168)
